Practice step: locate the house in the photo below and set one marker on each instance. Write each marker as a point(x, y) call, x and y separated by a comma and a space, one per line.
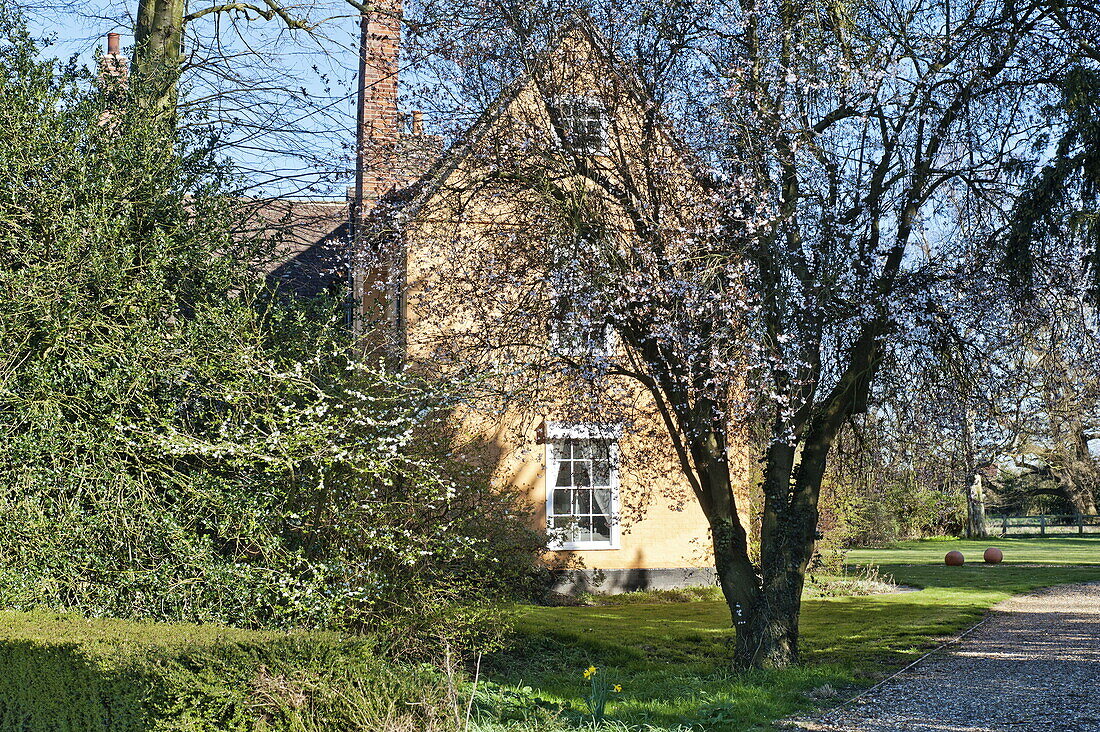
point(307, 252)
point(470, 265)
point(478, 273)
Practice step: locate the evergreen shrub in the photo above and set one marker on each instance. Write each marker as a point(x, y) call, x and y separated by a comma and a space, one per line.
point(178, 445)
point(63, 673)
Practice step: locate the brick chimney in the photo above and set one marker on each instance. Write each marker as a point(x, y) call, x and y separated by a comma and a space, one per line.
point(114, 75)
point(374, 264)
point(113, 66)
point(378, 121)
point(387, 157)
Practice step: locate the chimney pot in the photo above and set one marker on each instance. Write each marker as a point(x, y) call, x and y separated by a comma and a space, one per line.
point(418, 122)
point(114, 68)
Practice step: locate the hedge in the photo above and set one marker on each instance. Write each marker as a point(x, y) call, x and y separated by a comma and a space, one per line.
point(65, 673)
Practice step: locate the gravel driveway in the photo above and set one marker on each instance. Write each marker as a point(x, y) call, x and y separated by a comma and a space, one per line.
point(1034, 664)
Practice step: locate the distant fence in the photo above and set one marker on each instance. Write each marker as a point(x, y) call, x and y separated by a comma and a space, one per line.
point(1044, 524)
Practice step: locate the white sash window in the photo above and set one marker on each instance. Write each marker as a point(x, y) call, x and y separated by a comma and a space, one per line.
point(579, 329)
point(582, 483)
point(577, 335)
point(583, 123)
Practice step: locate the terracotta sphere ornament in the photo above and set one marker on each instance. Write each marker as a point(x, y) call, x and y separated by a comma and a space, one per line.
point(993, 555)
point(954, 559)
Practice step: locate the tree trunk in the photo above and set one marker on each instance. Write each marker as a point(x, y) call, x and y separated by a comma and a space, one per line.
point(737, 575)
point(1088, 503)
point(740, 587)
point(1084, 473)
point(769, 638)
point(765, 605)
point(1079, 492)
point(975, 509)
point(767, 634)
point(158, 55)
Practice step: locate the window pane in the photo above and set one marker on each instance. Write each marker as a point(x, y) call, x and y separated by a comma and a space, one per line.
point(581, 474)
point(584, 529)
point(601, 502)
point(583, 122)
point(601, 528)
point(589, 135)
point(588, 449)
point(582, 501)
point(601, 472)
point(565, 527)
point(564, 474)
point(561, 502)
point(562, 450)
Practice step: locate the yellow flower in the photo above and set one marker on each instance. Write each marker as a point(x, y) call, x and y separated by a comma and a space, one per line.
point(591, 670)
point(617, 688)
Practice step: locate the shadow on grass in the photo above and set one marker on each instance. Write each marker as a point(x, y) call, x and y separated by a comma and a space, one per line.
point(672, 660)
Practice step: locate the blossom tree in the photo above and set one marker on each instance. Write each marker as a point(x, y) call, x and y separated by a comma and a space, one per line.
point(786, 194)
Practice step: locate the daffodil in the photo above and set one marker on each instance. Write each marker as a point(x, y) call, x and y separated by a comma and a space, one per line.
point(590, 672)
point(617, 688)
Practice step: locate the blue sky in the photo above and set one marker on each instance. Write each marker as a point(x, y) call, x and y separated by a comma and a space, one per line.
point(285, 109)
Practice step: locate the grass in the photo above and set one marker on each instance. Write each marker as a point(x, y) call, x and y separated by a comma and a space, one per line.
point(670, 657)
point(65, 672)
point(1031, 550)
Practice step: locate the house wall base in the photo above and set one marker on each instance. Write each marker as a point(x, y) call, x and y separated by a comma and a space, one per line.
point(616, 581)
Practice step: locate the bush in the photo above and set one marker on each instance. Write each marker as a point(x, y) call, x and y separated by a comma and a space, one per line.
point(64, 673)
point(177, 446)
point(891, 508)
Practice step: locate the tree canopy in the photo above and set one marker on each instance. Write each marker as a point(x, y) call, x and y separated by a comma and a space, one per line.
point(812, 188)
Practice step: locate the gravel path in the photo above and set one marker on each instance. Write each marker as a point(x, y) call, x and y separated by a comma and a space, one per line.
point(1034, 664)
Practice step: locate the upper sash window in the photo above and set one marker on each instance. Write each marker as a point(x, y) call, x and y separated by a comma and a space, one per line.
point(583, 123)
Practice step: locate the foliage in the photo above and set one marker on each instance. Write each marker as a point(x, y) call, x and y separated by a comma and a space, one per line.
point(1061, 203)
point(65, 673)
point(1027, 494)
point(884, 505)
point(496, 703)
point(176, 446)
point(863, 580)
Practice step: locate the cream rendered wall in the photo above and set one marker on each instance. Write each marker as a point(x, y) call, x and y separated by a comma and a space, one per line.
point(474, 234)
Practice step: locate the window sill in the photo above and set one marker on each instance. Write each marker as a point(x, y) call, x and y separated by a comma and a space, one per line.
point(583, 546)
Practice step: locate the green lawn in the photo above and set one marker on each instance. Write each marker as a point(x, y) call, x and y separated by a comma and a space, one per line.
point(1032, 550)
point(670, 658)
